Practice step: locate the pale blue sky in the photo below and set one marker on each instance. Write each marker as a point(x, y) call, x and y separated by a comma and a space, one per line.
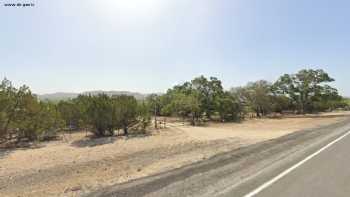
point(150, 45)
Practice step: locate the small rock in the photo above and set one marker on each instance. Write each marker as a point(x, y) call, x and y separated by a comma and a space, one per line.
point(66, 190)
point(73, 189)
point(76, 188)
point(139, 169)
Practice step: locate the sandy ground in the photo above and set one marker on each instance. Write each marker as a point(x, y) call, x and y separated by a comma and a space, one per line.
point(79, 164)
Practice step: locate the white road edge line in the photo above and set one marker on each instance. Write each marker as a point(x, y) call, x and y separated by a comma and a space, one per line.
point(284, 173)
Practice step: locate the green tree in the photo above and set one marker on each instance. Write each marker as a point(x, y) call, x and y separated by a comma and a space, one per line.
point(144, 115)
point(209, 92)
point(23, 116)
point(70, 113)
point(229, 107)
point(39, 120)
point(100, 113)
point(327, 98)
point(185, 106)
point(125, 112)
point(7, 106)
point(155, 106)
point(257, 95)
point(303, 87)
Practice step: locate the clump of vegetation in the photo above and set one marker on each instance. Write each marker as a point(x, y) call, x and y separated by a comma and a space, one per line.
point(200, 99)
point(308, 91)
point(205, 99)
point(24, 117)
point(346, 103)
point(104, 114)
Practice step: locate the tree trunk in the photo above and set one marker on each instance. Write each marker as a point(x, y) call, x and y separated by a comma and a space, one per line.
point(193, 121)
point(258, 113)
point(126, 131)
point(262, 111)
point(155, 117)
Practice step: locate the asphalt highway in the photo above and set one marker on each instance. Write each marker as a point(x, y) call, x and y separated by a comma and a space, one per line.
point(326, 174)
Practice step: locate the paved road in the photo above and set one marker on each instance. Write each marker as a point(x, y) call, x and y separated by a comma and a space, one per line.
point(326, 174)
point(241, 171)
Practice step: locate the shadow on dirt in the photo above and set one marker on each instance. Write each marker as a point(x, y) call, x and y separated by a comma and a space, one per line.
point(4, 153)
point(9, 148)
point(139, 135)
point(92, 141)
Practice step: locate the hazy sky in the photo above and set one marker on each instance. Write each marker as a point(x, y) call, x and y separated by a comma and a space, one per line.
point(150, 45)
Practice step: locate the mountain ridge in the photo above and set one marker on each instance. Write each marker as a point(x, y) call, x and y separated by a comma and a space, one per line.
point(57, 96)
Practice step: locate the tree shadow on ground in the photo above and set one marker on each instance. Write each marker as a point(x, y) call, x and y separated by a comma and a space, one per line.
point(4, 153)
point(133, 133)
point(316, 115)
point(92, 141)
point(7, 149)
point(137, 135)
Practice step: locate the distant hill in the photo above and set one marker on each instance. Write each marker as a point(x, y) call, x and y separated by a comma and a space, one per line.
point(138, 96)
point(70, 95)
point(58, 96)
